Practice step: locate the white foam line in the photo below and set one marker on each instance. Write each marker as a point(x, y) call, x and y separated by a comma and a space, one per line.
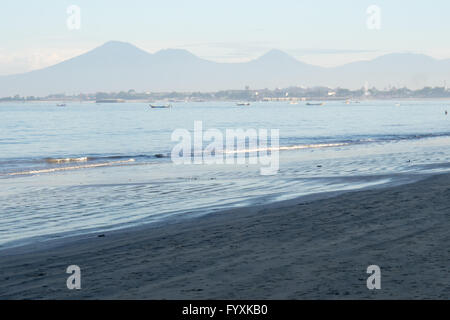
point(105, 164)
point(304, 146)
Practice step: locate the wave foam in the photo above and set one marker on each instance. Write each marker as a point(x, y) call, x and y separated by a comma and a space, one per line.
point(95, 165)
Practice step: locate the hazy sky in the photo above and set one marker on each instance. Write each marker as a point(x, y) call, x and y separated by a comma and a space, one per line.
point(34, 34)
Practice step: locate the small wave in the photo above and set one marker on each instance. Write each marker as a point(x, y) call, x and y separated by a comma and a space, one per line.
point(295, 147)
point(136, 156)
point(94, 158)
point(95, 165)
point(314, 146)
point(106, 158)
point(160, 155)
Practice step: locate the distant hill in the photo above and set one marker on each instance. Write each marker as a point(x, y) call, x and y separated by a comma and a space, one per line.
point(117, 66)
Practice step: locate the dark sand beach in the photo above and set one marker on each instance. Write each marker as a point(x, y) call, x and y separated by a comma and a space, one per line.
point(291, 250)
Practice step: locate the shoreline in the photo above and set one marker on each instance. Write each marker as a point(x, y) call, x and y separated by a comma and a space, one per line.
point(339, 99)
point(50, 241)
point(294, 249)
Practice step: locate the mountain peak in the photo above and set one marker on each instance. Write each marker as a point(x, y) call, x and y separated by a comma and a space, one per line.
point(118, 48)
point(276, 55)
point(276, 52)
point(114, 43)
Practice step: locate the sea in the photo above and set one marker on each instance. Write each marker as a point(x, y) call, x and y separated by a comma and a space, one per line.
point(87, 168)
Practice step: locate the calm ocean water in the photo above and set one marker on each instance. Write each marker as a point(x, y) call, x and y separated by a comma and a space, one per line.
point(88, 167)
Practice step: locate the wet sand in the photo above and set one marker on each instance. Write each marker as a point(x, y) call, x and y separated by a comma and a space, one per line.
point(296, 249)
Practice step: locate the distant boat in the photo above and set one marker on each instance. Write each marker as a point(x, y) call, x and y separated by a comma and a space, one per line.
point(161, 106)
point(315, 104)
point(243, 103)
point(293, 102)
point(61, 105)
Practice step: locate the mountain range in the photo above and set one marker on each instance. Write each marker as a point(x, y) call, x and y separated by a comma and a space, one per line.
point(120, 66)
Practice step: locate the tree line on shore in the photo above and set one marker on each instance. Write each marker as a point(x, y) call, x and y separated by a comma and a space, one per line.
point(247, 94)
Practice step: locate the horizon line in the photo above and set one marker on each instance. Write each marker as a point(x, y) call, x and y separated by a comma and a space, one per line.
point(392, 89)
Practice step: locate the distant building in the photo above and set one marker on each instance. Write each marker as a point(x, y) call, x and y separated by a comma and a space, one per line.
point(110, 101)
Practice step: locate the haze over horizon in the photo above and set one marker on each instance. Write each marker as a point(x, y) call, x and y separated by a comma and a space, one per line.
point(118, 66)
point(181, 50)
point(327, 34)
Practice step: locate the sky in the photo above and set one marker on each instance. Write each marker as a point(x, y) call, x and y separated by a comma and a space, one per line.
point(35, 34)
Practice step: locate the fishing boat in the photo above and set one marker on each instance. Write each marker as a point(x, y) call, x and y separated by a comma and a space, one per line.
point(243, 103)
point(160, 106)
